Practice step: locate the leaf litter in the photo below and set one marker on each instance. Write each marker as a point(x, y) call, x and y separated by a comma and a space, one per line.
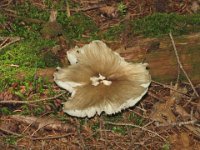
point(161, 117)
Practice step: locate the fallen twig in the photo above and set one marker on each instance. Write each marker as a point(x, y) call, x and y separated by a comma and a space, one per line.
point(46, 123)
point(52, 137)
point(34, 122)
point(8, 41)
point(169, 87)
point(10, 132)
point(178, 123)
point(181, 66)
point(88, 8)
point(136, 126)
point(31, 101)
point(156, 96)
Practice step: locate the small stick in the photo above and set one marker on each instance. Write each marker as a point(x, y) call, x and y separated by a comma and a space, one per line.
point(179, 123)
point(52, 137)
point(68, 9)
point(156, 96)
point(4, 42)
point(12, 40)
point(136, 126)
point(10, 132)
point(169, 87)
point(180, 64)
point(88, 8)
point(32, 101)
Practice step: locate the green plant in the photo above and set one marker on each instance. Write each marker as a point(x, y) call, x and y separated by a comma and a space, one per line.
point(114, 118)
point(165, 147)
point(119, 129)
point(5, 111)
point(39, 110)
point(79, 24)
point(26, 56)
point(10, 139)
point(25, 110)
point(95, 126)
point(122, 8)
point(83, 121)
point(137, 119)
point(114, 32)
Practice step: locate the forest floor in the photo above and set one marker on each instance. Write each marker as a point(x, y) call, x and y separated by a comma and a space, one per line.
point(31, 47)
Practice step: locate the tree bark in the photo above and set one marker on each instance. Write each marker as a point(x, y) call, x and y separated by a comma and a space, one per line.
point(160, 55)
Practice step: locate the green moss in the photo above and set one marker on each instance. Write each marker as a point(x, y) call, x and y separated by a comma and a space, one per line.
point(159, 24)
point(165, 147)
point(5, 111)
point(194, 51)
point(26, 56)
point(28, 10)
point(10, 140)
point(39, 110)
point(95, 126)
point(114, 117)
point(114, 32)
point(2, 22)
point(27, 53)
point(25, 110)
point(122, 8)
point(118, 129)
point(135, 118)
point(78, 25)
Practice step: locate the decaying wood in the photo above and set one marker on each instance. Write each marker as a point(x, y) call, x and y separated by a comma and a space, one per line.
point(180, 66)
point(159, 53)
point(45, 123)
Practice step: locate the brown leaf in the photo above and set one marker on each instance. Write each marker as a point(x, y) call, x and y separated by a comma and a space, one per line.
point(23, 89)
point(177, 95)
point(46, 73)
point(181, 141)
point(6, 95)
point(162, 112)
point(182, 112)
point(109, 11)
point(195, 7)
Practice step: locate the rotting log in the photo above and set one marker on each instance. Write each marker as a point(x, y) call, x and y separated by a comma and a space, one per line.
point(160, 55)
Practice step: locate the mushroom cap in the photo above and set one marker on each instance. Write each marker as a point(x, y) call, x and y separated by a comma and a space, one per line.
point(102, 81)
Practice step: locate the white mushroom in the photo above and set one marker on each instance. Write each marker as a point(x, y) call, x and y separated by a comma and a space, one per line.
point(101, 81)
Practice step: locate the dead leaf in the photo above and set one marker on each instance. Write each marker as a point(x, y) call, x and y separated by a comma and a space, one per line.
point(195, 6)
point(23, 89)
point(162, 112)
point(194, 130)
point(55, 49)
point(177, 95)
point(46, 73)
point(181, 141)
point(109, 11)
point(182, 112)
point(7, 95)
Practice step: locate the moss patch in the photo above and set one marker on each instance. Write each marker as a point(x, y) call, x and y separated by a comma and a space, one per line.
point(160, 24)
point(25, 56)
point(157, 25)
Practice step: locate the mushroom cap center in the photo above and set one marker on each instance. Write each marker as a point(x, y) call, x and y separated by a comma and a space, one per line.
point(100, 79)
